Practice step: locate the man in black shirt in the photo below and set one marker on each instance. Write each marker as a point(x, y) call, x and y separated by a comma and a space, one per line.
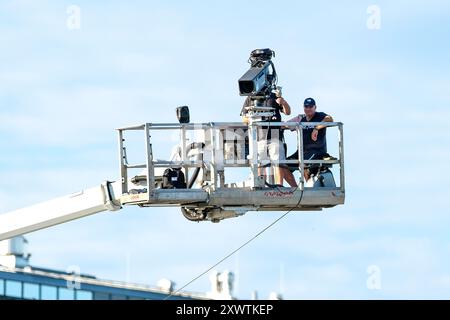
point(314, 137)
point(270, 139)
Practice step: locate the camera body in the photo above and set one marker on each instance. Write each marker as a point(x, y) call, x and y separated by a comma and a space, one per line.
point(261, 78)
point(259, 83)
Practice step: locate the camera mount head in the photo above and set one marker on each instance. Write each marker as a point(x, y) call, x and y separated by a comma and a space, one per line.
point(259, 56)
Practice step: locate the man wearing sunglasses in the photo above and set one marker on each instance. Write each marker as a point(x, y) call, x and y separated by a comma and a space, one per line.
point(314, 137)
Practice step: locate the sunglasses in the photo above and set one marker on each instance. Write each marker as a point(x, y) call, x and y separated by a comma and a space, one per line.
point(309, 106)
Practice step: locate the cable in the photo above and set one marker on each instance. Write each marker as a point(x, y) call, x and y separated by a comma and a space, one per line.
point(275, 76)
point(242, 246)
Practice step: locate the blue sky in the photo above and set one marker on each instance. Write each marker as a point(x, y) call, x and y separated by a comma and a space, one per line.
point(62, 93)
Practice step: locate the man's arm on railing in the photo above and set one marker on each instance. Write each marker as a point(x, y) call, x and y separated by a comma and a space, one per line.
point(315, 132)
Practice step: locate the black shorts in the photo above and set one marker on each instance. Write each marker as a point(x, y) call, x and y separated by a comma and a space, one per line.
point(308, 155)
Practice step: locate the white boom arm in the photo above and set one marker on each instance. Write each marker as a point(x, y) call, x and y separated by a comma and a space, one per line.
point(60, 210)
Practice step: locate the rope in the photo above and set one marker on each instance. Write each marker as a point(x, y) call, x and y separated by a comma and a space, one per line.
point(239, 248)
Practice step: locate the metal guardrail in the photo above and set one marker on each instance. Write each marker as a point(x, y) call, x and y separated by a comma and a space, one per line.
point(214, 144)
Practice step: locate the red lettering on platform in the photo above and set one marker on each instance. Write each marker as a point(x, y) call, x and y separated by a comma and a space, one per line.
point(278, 194)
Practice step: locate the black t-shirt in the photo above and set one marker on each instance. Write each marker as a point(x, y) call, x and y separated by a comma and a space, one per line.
point(310, 146)
point(266, 132)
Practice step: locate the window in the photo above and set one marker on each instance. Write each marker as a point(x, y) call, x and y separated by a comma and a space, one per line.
point(83, 295)
point(101, 296)
point(30, 291)
point(66, 294)
point(48, 293)
point(13, 289)
point(2, 287)
point(118, 297)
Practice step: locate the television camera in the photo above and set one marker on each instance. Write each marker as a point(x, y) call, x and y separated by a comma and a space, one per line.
point(259, 83)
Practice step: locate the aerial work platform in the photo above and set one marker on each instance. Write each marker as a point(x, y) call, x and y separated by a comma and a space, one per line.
point(219, 147)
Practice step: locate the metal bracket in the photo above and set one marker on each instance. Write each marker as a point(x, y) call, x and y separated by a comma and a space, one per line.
point(110, 203)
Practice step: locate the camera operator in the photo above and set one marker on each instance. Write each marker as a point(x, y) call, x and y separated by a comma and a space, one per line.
point(271, 147)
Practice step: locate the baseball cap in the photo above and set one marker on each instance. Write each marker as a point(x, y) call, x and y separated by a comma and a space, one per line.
point(309, 102)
